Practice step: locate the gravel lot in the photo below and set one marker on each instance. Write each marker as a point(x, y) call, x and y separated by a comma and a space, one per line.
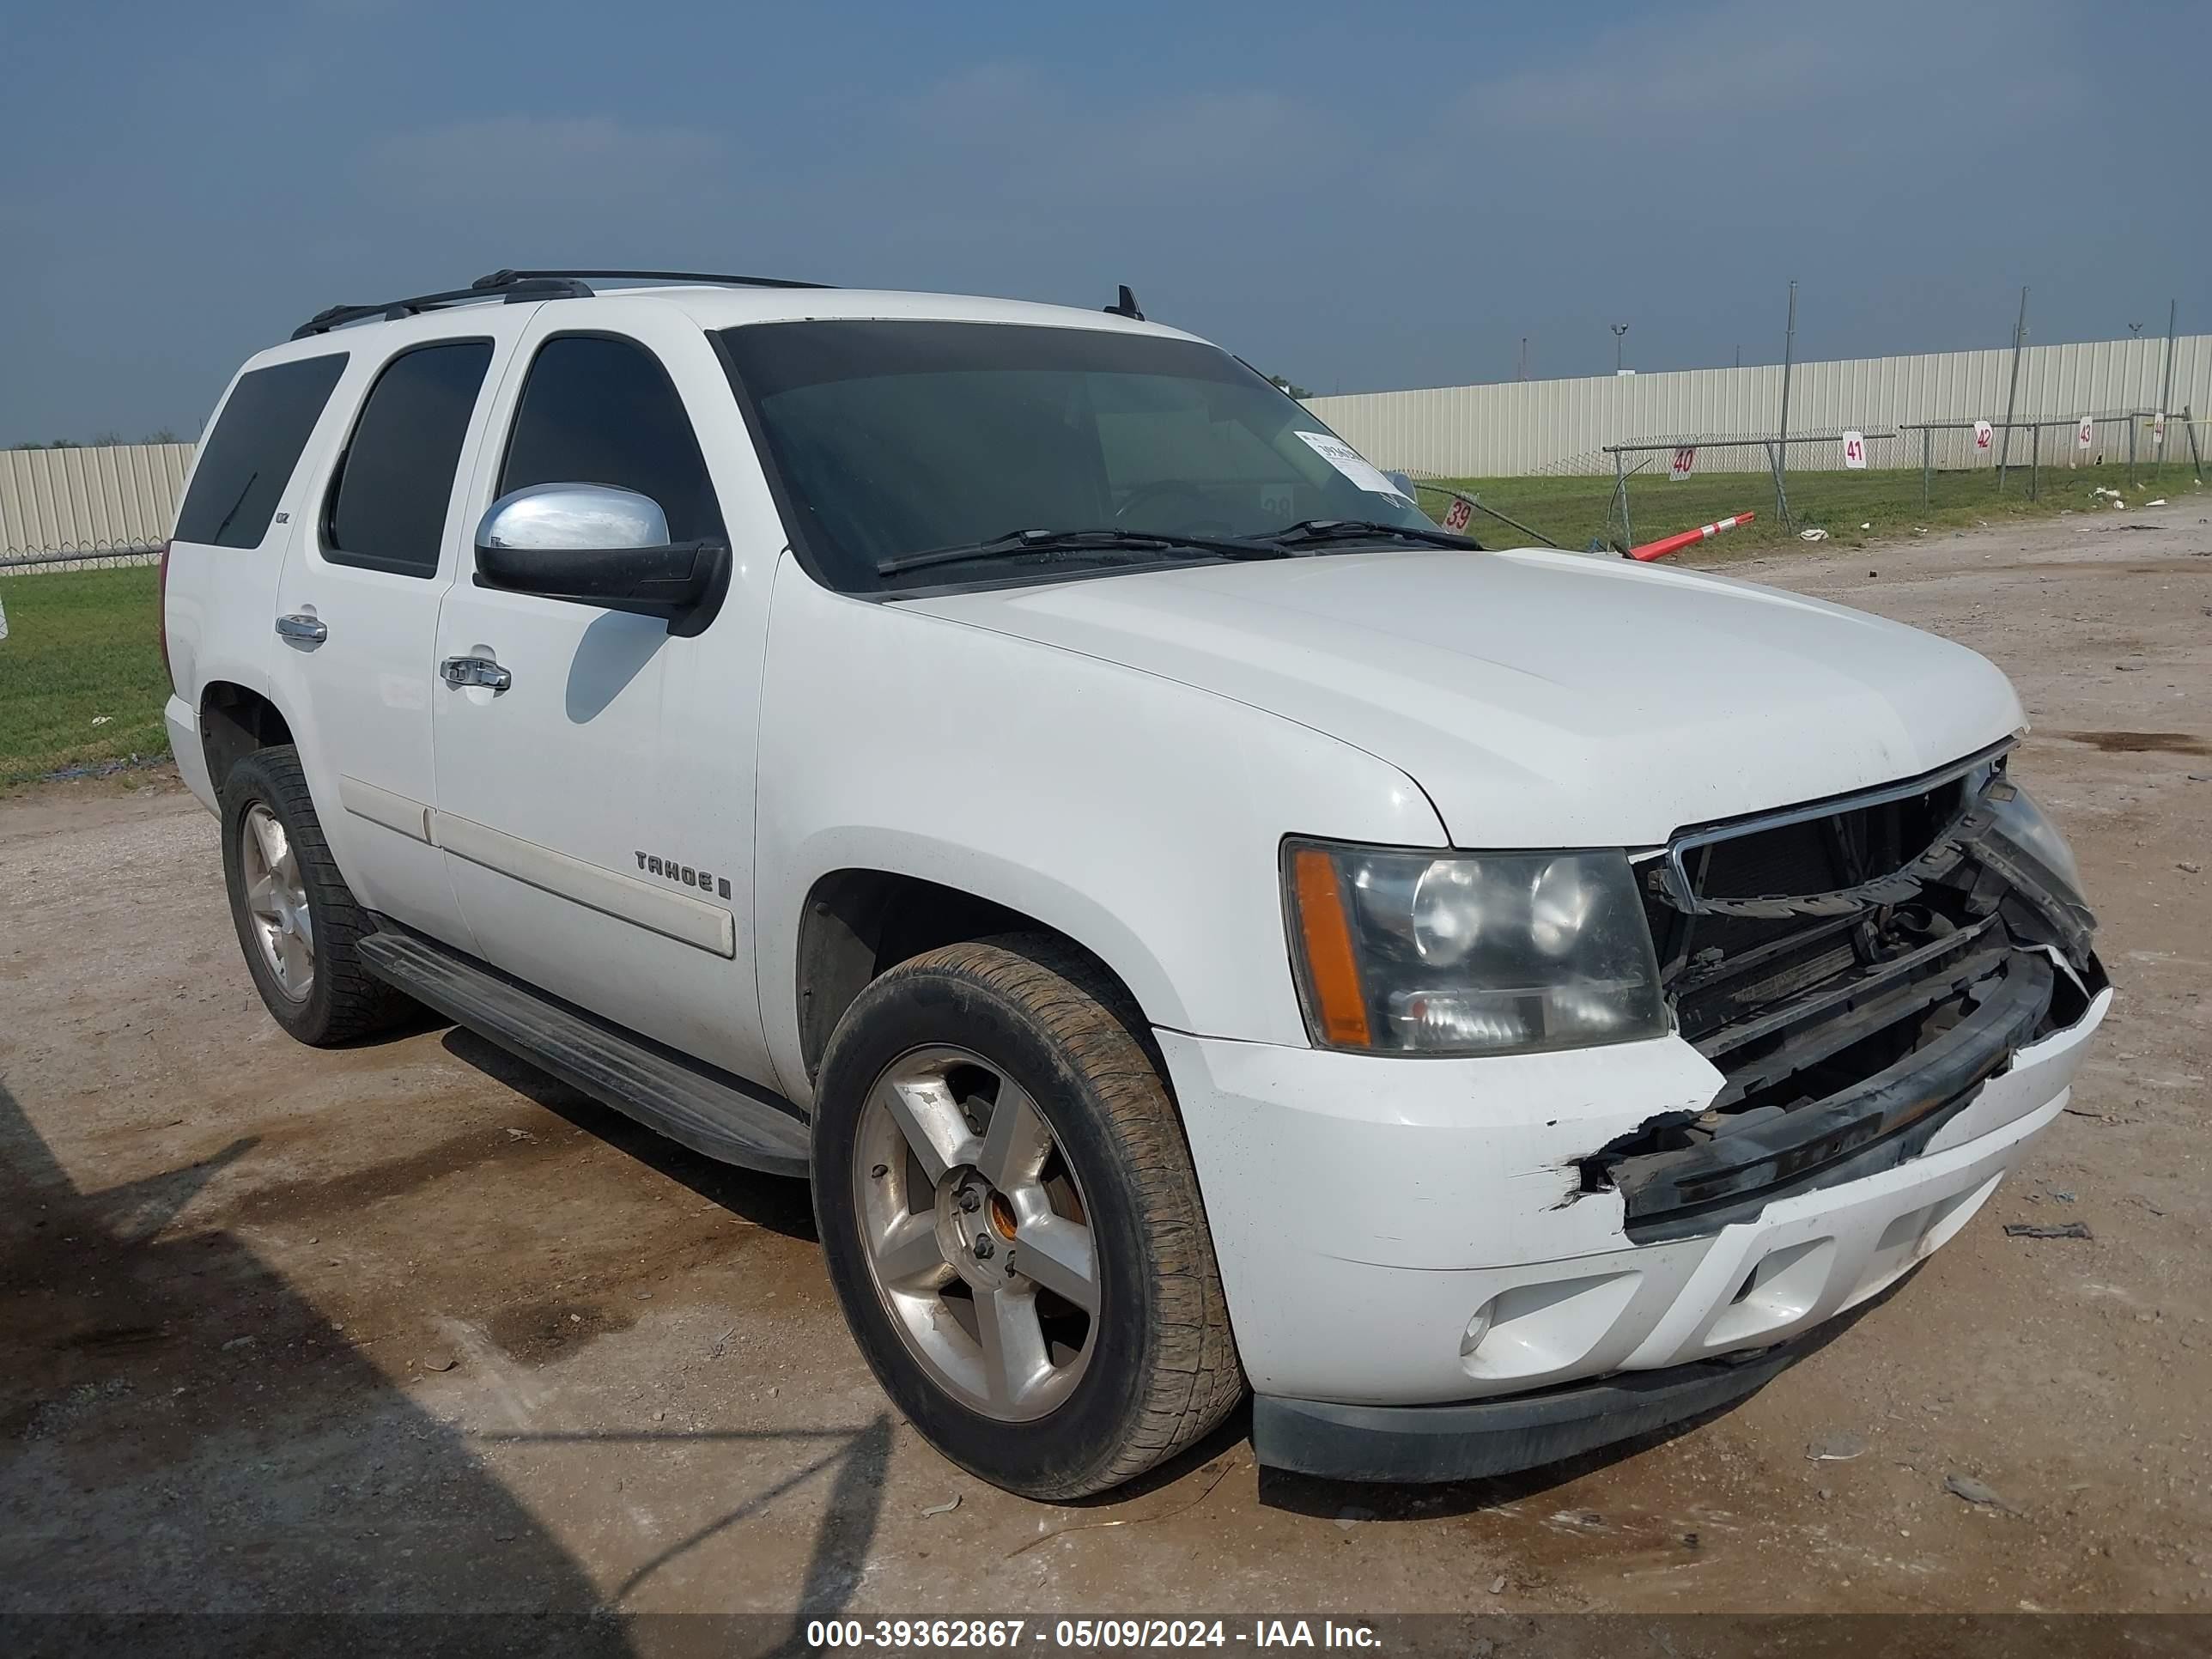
point(412, 1327)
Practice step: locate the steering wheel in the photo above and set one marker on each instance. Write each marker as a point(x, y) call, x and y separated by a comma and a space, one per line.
point(1147, 496)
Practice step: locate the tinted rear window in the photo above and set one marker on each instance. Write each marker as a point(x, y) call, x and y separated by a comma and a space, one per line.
point(249, 457)
point(387, 508)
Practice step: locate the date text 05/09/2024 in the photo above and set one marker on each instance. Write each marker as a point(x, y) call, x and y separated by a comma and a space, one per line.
point(1014, 1634)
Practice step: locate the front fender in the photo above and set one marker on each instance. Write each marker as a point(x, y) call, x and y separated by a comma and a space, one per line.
point(1141, 817)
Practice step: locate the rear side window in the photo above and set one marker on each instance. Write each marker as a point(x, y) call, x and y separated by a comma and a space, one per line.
point(388, 504)
point(601, 410)
point(249, 457)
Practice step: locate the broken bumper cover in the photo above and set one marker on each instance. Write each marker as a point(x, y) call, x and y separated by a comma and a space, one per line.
point(1397, 1233)
point(1485, 1438)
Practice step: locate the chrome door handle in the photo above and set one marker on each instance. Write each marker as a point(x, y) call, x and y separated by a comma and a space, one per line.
point(302, 629)
point(475, 670)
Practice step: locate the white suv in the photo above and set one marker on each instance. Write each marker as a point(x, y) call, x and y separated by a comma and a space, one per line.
point(1198, 925)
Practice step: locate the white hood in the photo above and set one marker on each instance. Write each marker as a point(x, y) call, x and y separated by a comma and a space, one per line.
point(1543, 699)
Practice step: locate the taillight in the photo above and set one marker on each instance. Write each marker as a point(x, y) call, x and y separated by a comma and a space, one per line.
point(163, 604)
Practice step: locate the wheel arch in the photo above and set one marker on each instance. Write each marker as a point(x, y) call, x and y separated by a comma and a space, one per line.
point(234, 721)
point(858, 922)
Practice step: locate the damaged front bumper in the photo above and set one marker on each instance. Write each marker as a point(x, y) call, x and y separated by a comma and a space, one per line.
point(1443, 1268)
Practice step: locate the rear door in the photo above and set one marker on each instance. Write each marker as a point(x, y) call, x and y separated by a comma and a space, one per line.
point(226, 552)
point(597, 812)
point(381, 538)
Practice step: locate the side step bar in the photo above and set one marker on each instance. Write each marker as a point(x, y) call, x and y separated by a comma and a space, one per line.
point(707, 1110)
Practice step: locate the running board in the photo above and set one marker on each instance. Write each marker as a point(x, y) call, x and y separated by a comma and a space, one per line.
point(709, 1111)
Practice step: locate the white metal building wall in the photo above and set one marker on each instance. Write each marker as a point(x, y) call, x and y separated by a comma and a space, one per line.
point(1531, 425)
point(121, 497)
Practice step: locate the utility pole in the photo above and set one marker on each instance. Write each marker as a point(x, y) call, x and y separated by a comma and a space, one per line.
point(2012, 397)
point(1782, 445)
point(1618, 329)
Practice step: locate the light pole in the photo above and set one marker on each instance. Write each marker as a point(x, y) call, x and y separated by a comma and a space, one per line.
point(1618, 329)
point(2136, 329)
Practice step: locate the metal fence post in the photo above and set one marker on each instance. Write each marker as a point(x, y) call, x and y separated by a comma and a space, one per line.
point(2132, 451)
point(2034, 461)
point(1927, 463)
point(2196, 460)
point(2166, 397)
point(1620, 495)
point(2012, 397)
point(1779, 457)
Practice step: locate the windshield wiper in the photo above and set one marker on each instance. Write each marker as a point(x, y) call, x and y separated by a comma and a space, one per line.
point(1308, 531)
point(1083, 541)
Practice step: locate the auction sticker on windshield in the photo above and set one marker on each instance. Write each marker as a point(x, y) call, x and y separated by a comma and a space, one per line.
point(1348, 461)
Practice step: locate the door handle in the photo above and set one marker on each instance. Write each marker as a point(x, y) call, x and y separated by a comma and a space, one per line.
point(302, 629)
point(475, 670)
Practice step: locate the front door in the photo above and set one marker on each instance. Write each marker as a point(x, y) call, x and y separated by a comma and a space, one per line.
point(596, 811)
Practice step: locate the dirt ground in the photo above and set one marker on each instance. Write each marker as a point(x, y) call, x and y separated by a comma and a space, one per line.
point(410, 1326)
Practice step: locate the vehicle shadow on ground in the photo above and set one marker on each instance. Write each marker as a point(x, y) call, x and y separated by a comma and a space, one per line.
point(182, 1432)
point(778, 1203)
point(1301, 1494)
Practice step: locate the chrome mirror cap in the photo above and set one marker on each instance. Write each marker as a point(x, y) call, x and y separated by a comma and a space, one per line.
point(558, 518)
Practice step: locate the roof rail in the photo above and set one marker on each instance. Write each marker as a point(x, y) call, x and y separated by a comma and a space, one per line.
point(502, 278)
point(391, 310)
point(514, 287)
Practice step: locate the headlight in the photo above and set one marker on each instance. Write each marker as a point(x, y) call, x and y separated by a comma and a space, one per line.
point(2027, 827)
point(1411, 952)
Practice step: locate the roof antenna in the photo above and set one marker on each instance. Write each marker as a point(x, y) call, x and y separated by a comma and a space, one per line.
point(1125, 305)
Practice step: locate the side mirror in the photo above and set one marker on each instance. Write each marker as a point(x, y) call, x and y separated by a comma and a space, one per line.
point(594, 545)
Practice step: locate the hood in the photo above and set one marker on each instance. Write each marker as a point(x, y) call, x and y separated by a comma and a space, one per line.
point(1543, 699)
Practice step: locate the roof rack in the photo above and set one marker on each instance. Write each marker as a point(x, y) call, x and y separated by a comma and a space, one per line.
point(502, 278)
point(517, 287)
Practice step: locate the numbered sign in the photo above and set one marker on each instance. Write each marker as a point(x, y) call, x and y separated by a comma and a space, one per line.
point(2085, 433)
point(1686, 461)
point(1456, 520)
point(2158, 428)
point(1855, 451)
point(1982, 434)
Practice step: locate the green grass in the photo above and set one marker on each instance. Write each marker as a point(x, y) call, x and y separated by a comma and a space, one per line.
point(1571, 511)
point(80, 644)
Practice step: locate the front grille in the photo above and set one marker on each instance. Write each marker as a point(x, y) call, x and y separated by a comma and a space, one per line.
point(1853, 974)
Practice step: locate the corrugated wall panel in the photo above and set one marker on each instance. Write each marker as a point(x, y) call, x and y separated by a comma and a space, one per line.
point(114, 498)
point(1559, 426)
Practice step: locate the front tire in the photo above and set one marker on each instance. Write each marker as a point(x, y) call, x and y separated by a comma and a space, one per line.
point(297, 921)
point(1012, 1221)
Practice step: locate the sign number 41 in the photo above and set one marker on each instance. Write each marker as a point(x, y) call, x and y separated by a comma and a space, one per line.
point(1855, 451)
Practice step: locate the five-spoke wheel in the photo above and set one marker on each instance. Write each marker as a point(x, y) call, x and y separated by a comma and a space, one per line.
point(277, 900)
point(1012, 1221)
point(976, 1232)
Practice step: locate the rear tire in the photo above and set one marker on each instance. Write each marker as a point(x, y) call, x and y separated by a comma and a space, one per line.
point(1025, 1024)
point(297, 921)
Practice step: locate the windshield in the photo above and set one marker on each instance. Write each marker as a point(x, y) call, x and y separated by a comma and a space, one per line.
point(897, 439)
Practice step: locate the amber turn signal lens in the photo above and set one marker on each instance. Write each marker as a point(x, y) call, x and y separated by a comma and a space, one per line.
point(1331, 968)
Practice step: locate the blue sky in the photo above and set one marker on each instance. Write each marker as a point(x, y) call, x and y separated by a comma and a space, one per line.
point(1356, 196)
